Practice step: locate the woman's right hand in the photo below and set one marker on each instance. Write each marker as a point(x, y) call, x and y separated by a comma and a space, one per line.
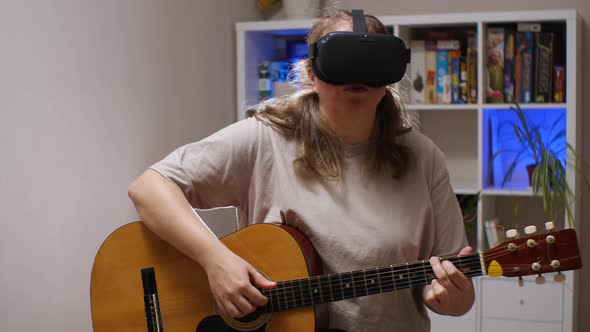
point(231, 281)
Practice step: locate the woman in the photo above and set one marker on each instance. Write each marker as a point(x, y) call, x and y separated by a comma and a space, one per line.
point(341, 164)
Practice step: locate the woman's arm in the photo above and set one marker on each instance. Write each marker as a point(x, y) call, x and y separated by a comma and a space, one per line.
point(165, 210)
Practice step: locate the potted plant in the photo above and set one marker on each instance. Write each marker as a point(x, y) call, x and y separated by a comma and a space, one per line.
point(545, 146)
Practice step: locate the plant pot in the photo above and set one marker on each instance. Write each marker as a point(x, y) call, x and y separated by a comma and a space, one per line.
point(530, 169)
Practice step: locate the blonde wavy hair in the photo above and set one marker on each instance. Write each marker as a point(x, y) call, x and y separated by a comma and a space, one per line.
point(319, 151)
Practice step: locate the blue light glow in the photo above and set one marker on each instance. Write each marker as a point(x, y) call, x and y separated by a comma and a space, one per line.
point(500, 136)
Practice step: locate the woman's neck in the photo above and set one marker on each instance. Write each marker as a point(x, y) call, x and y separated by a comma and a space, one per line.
point(350, 125)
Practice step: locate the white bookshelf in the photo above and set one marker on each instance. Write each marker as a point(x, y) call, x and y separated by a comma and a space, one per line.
point(459, 131)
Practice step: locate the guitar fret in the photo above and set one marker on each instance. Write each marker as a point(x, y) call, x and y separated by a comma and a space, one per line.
point(393, 278)
point(296, 293)
point(284, 296)
point(417, 277)
point(293, 294)
point(336, 287)
point(340, 284)
point(347, 283)
point(371, 282)
point(315, 288)
point(386, 279)
point(401, 278)
point(306, 294)
point(274, 298)
point(358, 284)
point(301, 293)
point(379, 280)
point(330, 287)
point(298, 302)
point(424, 270)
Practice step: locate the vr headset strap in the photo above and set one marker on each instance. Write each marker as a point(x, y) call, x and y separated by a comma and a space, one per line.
point(358, 21)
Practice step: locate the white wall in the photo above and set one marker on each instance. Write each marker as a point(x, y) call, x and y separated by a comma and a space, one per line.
point(91, 93)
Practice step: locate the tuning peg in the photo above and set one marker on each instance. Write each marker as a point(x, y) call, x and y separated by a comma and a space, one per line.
point(511, 233)
point(540, 280)
point(530, 229)
point(520, 281)
point(549, 225)
point(559, 277)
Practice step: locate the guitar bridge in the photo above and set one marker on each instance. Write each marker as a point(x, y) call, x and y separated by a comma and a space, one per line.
point(151, 301)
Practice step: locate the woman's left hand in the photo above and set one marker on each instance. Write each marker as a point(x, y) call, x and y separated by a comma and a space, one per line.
point(451, 293)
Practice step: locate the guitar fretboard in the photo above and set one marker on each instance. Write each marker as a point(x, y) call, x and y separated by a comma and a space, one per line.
point(302, 292)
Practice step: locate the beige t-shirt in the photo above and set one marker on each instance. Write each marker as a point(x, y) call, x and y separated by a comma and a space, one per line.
point(353, 223)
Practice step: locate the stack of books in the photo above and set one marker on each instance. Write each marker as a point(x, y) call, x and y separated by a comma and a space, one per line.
point(443, 71)
point(520, 66)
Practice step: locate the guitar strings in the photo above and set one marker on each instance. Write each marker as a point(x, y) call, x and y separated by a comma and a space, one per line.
point(490, 254)
point(326, 289)
point(170, 305)
point(168, 309)
point(178, 307)
point(290, 302)
point(324, 283)
point(324, 286)
point(465, 259)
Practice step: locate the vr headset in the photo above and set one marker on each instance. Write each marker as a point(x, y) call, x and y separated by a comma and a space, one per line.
point(359, 57)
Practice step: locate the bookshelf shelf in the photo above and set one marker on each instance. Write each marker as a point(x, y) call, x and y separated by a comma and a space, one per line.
point(526, 106)
point(437, 107)
point(465, 187)
point(527, 192)
point(461, 130)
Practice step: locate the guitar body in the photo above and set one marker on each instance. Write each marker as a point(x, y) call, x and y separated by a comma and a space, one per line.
point(183, 300)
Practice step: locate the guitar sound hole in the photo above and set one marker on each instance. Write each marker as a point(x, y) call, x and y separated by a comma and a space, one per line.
point(217, 324)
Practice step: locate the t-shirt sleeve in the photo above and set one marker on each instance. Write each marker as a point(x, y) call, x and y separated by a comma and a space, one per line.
point(215, 171)
point(450, 235)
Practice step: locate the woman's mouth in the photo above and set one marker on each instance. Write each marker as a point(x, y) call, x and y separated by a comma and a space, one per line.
point(356, 88)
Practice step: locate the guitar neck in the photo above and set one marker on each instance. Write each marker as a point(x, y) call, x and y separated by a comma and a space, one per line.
point(302, 292)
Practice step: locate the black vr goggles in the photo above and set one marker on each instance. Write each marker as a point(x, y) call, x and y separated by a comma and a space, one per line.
point(359, 57)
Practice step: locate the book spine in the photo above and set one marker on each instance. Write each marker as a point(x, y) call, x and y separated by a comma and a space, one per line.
point(509, 57)
point(417, 72)
point(430, 64)
point(543, 66)
point(463, 91)
point(455, 72)
point(443, 79)
point(472, 75)
point(527, 74)
point(472, 68)
point(518, 53)
point(495, 65)
point(559, 84)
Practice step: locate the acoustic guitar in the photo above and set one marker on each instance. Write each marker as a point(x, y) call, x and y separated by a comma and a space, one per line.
point(141, 283)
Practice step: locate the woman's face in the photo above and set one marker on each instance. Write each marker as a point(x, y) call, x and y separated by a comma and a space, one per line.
point(346, 96)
